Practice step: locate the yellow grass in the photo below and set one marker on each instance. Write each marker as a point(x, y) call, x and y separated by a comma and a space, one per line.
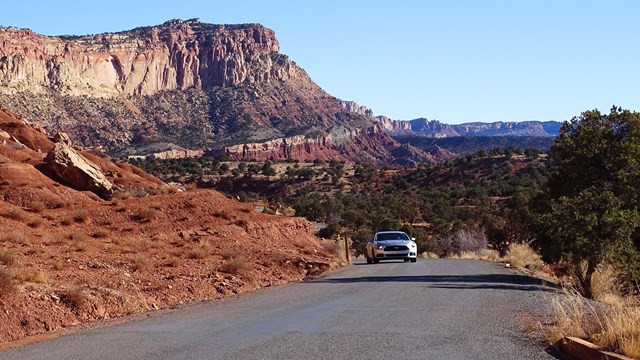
point(604, 283)
point(524, 257)
point(7, 259)
point(40, 277)
point(429, 255)
point(489, 255)
point(614, 328)
point(568, 317)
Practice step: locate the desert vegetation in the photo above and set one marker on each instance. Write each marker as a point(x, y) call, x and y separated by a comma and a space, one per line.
point(570, 212)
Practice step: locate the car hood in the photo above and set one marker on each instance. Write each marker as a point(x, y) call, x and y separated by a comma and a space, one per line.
point(394, 242)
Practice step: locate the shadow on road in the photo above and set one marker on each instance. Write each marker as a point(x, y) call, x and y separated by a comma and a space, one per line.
point(478, 281)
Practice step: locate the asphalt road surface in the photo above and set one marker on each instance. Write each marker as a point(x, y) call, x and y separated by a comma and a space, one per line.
point(433, 309)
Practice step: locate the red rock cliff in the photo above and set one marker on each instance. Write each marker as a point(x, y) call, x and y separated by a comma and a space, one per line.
point(175, 55)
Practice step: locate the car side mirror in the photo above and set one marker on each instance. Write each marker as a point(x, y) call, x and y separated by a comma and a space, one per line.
point(370, 240)
point(413, 239)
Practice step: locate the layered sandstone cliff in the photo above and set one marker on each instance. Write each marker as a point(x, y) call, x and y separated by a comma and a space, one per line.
point(175, 55)
point(192, 85)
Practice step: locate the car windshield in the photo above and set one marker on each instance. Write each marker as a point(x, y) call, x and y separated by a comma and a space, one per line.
point(392, 236)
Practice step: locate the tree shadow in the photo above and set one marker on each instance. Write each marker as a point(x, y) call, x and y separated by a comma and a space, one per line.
point(464, 282)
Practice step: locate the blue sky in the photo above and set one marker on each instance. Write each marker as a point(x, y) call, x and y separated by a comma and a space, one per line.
point(456, 60)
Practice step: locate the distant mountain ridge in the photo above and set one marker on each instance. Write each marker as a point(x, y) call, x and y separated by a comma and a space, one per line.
point(437, 129)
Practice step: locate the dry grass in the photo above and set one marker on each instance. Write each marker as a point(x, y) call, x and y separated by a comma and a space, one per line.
point(7, 284)
point(75, 298)
point(429, 255)
point(39, 277)
point(223, 215)
point(81, 218)
point(140, 263)
point(330, 246)
point(236, 263)
point(568, 317)
point(18, 238)
point(15, 214)
point(524, 257)
point(37, 206)
point(147, 215)
point(620, 330)
point(99, 234)
point(604, 282)
point(489, 255)
point(174, 261)
point(7, 259)
point(466, 255)
point(615, 328)
point(35, 223)
point(199, 251)
point(79, 240)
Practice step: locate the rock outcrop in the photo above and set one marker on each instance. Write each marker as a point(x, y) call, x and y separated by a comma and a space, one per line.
point(353, 107)
point(198, 86)
point(175, 55)
point(77, 171)
point(371, 146)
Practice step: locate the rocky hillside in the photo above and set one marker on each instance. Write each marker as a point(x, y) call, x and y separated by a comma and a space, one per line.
point(68, 257)
point(437, 129)
point(182, 85)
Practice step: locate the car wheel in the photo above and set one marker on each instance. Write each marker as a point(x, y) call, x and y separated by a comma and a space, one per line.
point(413, 260)
point(375, 260)
point(369, 261)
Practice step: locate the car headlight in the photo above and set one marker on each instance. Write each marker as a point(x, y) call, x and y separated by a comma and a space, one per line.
point(379, 247)
point(412, 245)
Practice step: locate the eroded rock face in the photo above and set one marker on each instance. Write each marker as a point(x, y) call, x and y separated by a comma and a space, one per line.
point(63, 137)
point(175, 55)
point(77, 171)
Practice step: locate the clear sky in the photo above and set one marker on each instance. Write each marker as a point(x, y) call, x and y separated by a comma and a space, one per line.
point(451, 60)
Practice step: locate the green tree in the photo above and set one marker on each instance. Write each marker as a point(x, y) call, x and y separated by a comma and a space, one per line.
point(591, 215)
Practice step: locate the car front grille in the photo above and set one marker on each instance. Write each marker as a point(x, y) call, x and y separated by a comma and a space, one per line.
point(396, 248)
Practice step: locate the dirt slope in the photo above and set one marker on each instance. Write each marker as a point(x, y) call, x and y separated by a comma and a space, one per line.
point(68, 257)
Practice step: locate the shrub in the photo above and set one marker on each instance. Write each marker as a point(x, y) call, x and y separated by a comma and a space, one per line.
point(17, 237)
point(605, 282)
point(199, 251)
point(235, 263)
point(7, 259)
point(98, 234)
point(7, 286)
point(140, 262)
point(75, 298)
point(79, 241)
point(81, 218)
point(462, 241)
point(37, 206)
point(524, 257)
point(40, 277)
point(241, 223)
point(15, 214)
point(147, 215)
point(35, 223)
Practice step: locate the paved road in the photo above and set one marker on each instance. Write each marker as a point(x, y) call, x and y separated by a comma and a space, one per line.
point(433, 309)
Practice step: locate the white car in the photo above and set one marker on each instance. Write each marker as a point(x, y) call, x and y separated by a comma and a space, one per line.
point(391, 245)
